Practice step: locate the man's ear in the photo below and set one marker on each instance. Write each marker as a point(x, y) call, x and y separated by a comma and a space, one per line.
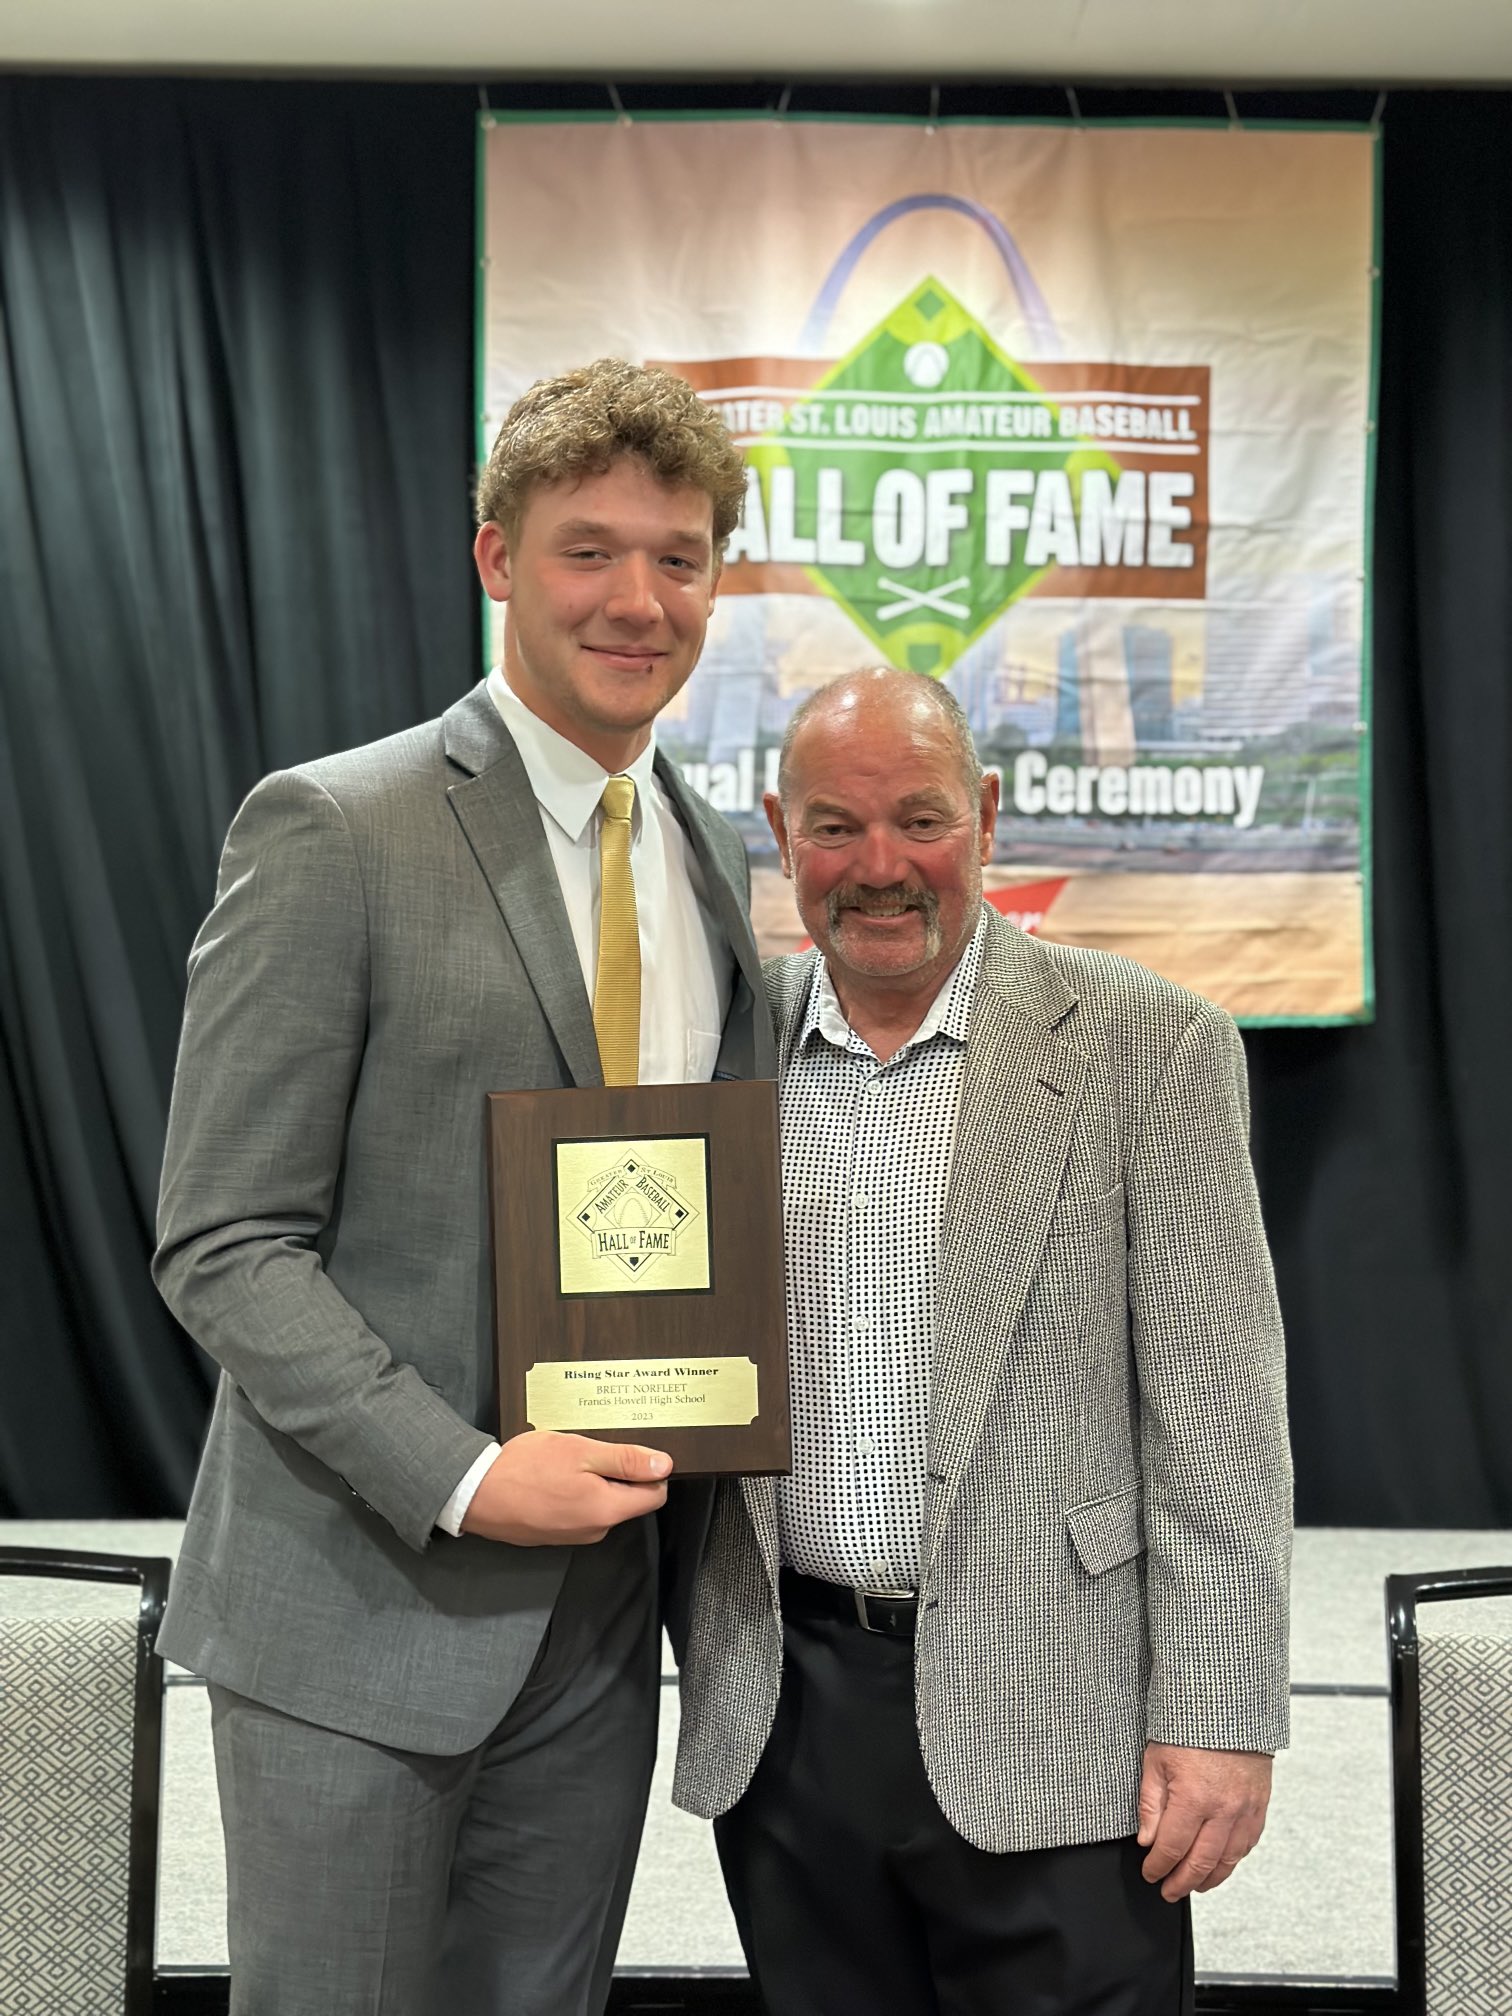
point(491, 557)
point(992, 791)
point(771, 804)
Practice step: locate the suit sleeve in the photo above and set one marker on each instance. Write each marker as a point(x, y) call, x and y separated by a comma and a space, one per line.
point(1212, 1383)
point(274, 1028)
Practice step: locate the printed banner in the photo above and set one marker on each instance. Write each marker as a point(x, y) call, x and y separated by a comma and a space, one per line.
point(1075, 419)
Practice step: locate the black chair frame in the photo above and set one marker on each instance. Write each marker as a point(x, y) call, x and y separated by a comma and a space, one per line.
point(150, 1574)
point(1403, 1594)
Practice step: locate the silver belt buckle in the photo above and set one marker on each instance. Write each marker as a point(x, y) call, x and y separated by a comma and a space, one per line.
point(884, 1596)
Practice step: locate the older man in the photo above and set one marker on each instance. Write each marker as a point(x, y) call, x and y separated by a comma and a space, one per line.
point(990, 1684)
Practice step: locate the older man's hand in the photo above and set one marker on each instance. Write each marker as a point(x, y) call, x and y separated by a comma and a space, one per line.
point(1200, 1813)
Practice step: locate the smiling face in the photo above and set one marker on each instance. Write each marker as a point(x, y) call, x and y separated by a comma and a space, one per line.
point(884, 841)
point(608, 583)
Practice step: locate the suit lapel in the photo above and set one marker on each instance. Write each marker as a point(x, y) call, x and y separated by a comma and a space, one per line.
point(697, 819)
point(1022, 1088)
point(760, 1495)
point(499, 815)
point(787, 995)
point(788, 991)
point(740, 1056)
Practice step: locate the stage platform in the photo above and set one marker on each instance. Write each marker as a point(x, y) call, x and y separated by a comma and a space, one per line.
point(1313, 1904)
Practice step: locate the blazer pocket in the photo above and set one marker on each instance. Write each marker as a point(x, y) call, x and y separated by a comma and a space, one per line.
point(1083, 1213)
point(1106, 1531)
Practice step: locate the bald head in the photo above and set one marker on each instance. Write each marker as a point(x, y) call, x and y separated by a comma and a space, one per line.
point(888, 702)
point(884, 821)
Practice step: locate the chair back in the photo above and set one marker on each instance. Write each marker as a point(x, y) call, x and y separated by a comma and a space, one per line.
point(81, 1718)
point(1451, 1711)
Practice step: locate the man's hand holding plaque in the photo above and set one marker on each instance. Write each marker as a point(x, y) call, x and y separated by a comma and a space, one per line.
point(549, 1490)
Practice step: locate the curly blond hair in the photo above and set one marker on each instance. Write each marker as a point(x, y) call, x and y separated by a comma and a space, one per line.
point(581, 423)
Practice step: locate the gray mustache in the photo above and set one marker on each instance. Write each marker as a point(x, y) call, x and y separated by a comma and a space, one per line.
point(880, 902)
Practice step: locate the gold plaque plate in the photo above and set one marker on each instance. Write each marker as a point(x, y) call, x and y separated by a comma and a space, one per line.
point(633, 1217)
point(640, 1393)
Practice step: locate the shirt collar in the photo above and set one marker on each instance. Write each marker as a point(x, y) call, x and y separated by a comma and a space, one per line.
point(949, 1014)
point(567, 782)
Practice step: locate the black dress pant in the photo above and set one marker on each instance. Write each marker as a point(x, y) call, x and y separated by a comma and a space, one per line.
point(854, 1896)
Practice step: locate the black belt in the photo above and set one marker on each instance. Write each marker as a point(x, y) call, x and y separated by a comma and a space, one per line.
point(893, 1612)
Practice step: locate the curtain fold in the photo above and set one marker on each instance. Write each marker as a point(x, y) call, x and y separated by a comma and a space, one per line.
point(235, 457)
point(236, 446)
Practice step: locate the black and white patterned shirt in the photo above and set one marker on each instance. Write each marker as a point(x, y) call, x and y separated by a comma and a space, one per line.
point(865, 1171)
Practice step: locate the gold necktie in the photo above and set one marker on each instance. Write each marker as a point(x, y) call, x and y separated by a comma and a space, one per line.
point(617, 983)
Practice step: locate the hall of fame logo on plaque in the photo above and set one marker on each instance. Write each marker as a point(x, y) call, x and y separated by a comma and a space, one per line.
point(633, 1216)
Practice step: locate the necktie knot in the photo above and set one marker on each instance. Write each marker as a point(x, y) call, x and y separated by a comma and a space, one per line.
point(618, 800)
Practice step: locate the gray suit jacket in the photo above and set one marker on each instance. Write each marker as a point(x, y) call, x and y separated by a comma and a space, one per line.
point(388, 944)
point(1107, 1527)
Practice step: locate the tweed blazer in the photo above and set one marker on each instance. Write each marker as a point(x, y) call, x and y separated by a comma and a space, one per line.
point(388, 944)
point(1107, 1525)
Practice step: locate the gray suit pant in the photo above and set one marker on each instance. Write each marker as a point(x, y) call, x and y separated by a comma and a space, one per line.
point(369, 1881)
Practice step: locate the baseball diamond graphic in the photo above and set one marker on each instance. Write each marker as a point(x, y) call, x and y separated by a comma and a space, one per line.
point(930, 480)
point(628, 1199)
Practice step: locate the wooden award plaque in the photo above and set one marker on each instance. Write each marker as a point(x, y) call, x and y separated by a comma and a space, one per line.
point(637, 1269)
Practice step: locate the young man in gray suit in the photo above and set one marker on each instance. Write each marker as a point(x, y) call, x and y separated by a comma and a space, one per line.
point(433, 1662)
point(990, 1684)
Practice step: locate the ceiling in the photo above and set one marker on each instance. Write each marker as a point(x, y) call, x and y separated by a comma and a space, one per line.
point(1217, 42)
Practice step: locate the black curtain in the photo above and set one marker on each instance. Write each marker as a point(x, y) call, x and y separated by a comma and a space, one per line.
point(236, 446)
point(1385, 1153)
point(235, 455)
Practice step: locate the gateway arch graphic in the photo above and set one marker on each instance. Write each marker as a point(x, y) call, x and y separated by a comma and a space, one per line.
point(1036, 309)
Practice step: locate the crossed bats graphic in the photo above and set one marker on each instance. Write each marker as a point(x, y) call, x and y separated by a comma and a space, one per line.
point(910, 599)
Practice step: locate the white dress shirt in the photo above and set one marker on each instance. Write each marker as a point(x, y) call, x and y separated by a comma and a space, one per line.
point(686, 972)
point(865, 1176)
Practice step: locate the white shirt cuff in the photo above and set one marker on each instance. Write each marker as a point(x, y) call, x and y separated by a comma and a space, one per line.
point(454, 1511)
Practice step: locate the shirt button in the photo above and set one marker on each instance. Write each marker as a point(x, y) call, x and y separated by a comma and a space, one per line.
point(861, 1326)
point(860, 1200)
point(865, 1445)
point(874, 1084)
